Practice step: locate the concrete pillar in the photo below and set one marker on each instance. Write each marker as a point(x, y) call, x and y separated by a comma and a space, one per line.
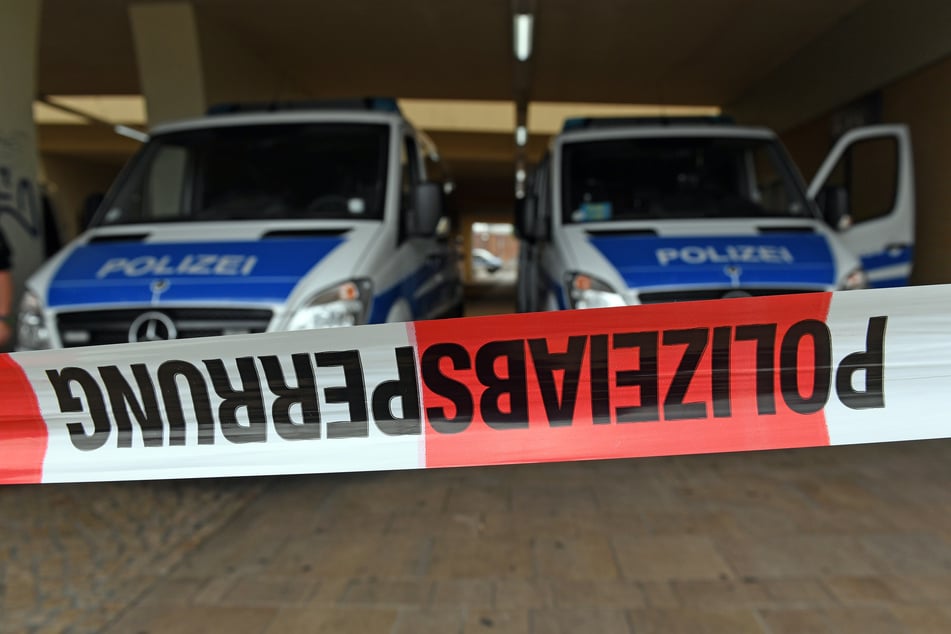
point(169, 59)
point(188, 62)
point(234, 71)
point(21, 211)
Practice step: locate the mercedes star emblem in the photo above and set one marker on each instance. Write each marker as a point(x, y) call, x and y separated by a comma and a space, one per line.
point(152, 326)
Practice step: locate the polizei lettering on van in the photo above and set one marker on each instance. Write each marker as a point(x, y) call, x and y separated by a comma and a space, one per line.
point(190, 264)
point(284, 396)
point(696, 254)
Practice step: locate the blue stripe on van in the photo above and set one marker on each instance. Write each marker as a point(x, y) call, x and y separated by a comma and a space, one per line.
point(406, 289)
point(890, 282)
point(888, 258)
point(785, 260)
point(236, 271)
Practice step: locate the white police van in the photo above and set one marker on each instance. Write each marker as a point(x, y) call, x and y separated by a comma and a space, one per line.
point(256, 219)
point(639, 211)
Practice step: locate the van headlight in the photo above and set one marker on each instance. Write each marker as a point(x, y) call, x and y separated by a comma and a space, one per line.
point(585, 291)
point(346, 304)
point(856, 279)
point(32, 331)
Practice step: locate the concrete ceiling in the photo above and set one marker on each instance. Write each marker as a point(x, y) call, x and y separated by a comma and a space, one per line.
point(625, 51)
point(729, 53)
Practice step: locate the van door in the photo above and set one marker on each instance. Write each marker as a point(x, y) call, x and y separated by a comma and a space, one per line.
point(430, 283)
point(866, 190)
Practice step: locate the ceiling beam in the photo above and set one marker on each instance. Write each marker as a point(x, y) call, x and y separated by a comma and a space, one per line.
point(84, 140)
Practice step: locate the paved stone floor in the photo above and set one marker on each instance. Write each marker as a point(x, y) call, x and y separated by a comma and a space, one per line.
point(846, 539)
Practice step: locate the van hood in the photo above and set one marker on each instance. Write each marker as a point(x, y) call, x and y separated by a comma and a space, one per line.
point(118, 269)
point(784, 260)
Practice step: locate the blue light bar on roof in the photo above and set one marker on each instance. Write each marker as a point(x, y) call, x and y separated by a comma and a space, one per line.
point(588, 123)
point(376, 104)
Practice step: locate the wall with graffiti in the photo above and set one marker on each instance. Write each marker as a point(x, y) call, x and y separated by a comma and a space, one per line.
point(21, 213)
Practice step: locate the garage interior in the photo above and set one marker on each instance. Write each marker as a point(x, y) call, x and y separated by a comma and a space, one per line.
point(852, 539)
point(809, 70)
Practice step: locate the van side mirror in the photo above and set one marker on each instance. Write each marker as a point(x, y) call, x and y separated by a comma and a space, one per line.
point(524, 211)
point(90, 205)
point(427, 210)
point(530, 225)
point(833, 201)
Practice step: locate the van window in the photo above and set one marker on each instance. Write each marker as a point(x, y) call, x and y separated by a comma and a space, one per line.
point(256, 172)
point(409, 168)
point(166, 186)
point(680, 177)
point(868, 170)
point(409, 164)
point(771, 186)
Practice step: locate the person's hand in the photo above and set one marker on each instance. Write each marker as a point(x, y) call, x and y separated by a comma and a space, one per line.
point(5, 333)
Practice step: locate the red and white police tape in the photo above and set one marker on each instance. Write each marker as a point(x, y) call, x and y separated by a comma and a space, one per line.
point(728, 375)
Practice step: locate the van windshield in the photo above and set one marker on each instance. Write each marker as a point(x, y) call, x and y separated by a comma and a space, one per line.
point(255, 172)
point(678, 177)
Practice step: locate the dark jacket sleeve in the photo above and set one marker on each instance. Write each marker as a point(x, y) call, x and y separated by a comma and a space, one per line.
point(4, 253)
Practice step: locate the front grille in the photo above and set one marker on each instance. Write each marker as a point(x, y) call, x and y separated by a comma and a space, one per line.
point(98, 327)
point(660, 297)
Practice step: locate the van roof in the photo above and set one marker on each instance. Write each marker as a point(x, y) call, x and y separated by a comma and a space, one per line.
point(277, 117)
point(597, 123)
